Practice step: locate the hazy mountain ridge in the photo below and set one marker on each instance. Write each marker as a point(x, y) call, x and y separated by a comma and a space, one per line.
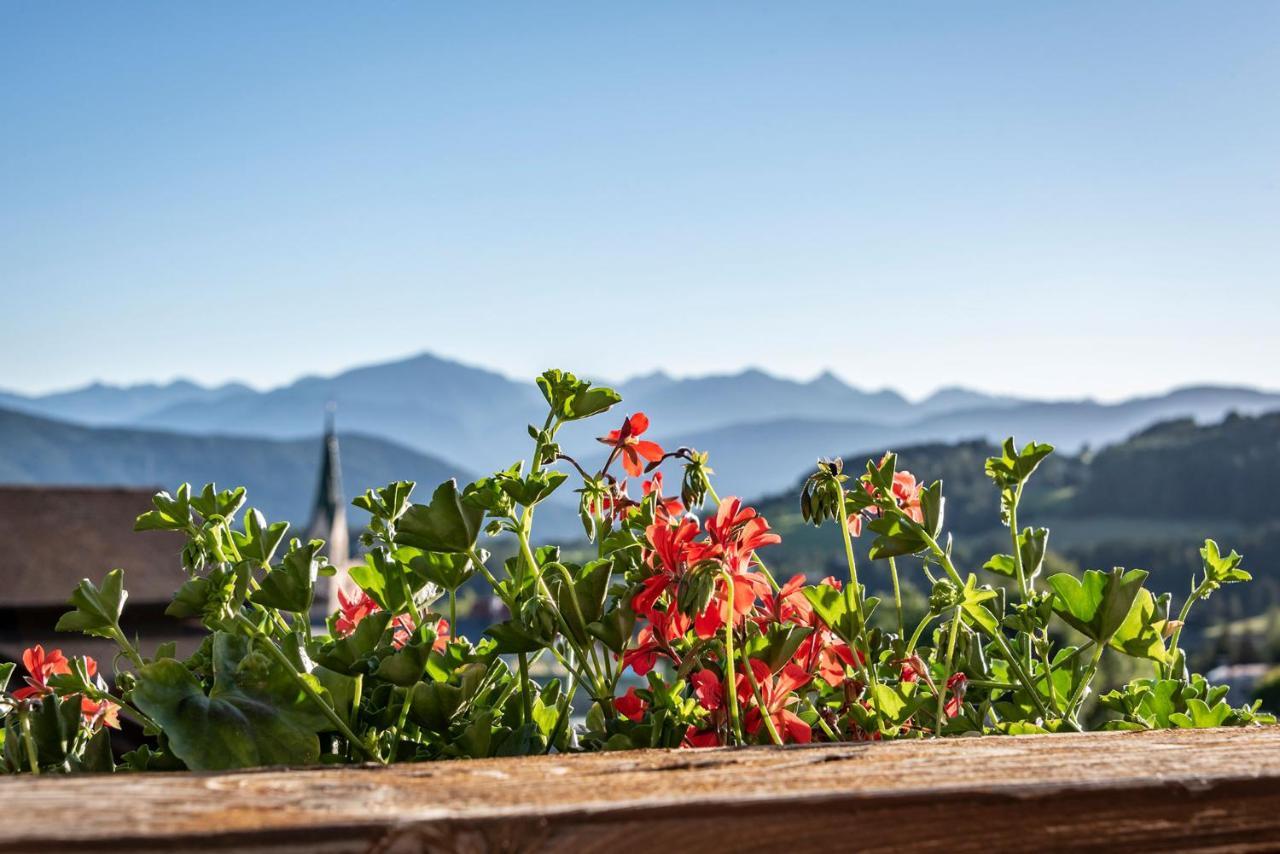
point(281, 475)
point(754, 459)
point(761, 429)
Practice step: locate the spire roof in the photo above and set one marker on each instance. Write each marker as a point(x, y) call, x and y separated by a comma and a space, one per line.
point(329, 511)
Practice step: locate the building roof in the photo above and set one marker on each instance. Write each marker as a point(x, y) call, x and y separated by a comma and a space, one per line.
point(53, 536)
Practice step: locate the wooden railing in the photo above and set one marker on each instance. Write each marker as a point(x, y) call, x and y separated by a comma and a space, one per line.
point(1162, 791)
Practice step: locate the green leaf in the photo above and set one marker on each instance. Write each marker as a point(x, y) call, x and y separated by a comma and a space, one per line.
point(972, 604)
point(1097, 604)
point(572, 399)
point(1200, 715)
point(593, 401)
point(380, 576)
point(529, 490)
point(1220, 570)
point(895, 538)
point(931, 507)
point(433, 705)
point(1002, 565)
point(97, 758)
point(614, 627)
point(291, 585)
point(351, 655)
point(6, 673)
point(171, 513)
point(255, 714)
point(388, 502)
point(213, 596)
point(447, 571)
point(210, 503)
point(1013, 467)
point(837, 609)
point(259, 540)
point(1141, 635)
point(406, 666)
point(447, 524)
point(514, 637)
point(96, 610)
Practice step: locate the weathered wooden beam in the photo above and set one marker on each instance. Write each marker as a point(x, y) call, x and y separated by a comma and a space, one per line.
point(1178, 790)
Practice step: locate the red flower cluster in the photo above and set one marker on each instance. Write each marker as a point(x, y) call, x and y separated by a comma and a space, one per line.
point(352, 611)
point(678, 551)
point(41, 666)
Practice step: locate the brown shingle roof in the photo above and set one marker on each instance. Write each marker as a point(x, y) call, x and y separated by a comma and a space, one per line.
point(53, 536)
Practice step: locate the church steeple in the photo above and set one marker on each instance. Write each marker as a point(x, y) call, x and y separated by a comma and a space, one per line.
point(329, 511)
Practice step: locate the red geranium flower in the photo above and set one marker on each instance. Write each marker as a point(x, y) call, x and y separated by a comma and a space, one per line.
point(776, 694)
point(663, 508)
point(746, 587)
point(707, 689)
point(102, 712)
point(631, 706)
point(627, 444)
point(694, 737)
point(654, 640)
point(673, 551)
point(906, 493)
point(739, 531)
point(789, 603)
point(957, 685)
point(40, 667)
point(352, 611)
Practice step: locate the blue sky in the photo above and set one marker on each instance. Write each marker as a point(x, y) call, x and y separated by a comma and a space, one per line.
point(1043, 198)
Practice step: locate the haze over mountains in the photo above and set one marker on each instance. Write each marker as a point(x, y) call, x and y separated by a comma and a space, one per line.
point(762, 430)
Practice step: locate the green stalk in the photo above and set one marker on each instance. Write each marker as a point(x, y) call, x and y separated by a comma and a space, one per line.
point(453, 611)
point(946, 674)
point(755, 691)
point(897, 597)
point(117, 634)
point(283, 660)
point(24, 722)
point(731, 686)
point(1077, 699)
point(1021, 570)
point(1182, 621)
point(1024, 584)
point(854, 592)
point(821, 722)
point(526, 694)
point(915, 636)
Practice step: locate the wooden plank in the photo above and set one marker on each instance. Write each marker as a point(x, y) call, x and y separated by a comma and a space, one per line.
point(1177, 790)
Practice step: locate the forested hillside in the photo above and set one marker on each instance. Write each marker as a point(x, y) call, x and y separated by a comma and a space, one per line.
point(1147, 502)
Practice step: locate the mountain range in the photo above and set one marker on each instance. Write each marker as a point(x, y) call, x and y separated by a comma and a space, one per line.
point(281, 476)
point(762, 430)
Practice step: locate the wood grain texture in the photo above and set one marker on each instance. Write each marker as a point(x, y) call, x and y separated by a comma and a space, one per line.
point(1207, 790)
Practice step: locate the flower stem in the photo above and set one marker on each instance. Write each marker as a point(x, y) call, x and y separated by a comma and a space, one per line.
point(946, 674)
point(854, 592)
point(731, 681)
point(897, 597)
point(24, 718)
point(1077, 699)
point(755, 691)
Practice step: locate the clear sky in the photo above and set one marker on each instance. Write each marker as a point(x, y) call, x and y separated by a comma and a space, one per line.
point(1047, 198)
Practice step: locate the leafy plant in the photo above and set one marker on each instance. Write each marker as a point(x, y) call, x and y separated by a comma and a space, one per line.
point(672, 631)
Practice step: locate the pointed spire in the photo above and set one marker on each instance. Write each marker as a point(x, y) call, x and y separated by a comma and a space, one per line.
point(329, 512)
